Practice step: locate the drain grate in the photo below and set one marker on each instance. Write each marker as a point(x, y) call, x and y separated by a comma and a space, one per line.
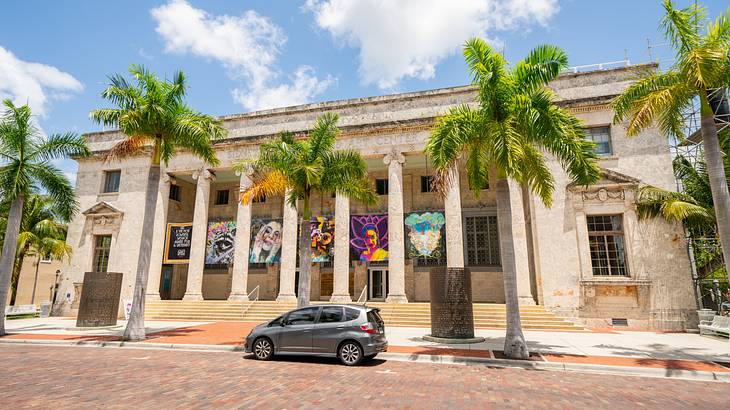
point(616, 321)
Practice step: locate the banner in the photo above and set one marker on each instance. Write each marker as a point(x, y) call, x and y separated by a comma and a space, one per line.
point(265, 241)
point(425, 234)
point(219, 243)
point(323, 239)
point(369, 237)
point(177, 245)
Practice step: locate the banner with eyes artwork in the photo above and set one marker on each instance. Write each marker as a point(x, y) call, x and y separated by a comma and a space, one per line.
point(265, 241)
point(220, 242)
point(369, 237)
point(425, 234)
point(323, 239)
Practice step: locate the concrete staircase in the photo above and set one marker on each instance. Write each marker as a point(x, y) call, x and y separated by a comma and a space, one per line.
point(486, 315)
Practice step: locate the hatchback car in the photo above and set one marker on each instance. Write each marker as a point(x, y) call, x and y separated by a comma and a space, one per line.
point(350, 332)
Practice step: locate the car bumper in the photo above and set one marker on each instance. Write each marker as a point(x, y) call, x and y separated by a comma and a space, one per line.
point(375, 347)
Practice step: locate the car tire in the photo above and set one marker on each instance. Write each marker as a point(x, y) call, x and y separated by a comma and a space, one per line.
point(262, 348)
point(350, 353)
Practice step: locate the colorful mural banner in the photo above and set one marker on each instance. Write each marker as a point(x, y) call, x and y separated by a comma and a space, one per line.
point(369, 237)
point(425, 234)
point(265, 241)
point(323, 239)
point(220, 242)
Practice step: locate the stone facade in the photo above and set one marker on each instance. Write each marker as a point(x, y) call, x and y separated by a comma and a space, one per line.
point(552, 246)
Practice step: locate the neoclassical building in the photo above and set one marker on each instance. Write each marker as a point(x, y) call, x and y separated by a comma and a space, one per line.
point(587, 257)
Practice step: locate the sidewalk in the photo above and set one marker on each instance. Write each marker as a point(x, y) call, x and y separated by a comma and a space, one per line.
point(673, 353)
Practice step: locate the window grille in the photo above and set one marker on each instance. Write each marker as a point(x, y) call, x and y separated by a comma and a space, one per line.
point(482, 240)
point(102, 247)
point(607, 245)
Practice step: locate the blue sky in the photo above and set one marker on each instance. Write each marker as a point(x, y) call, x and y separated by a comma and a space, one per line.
point(245, 55)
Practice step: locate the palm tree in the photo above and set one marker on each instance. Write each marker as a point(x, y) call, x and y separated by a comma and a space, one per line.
point(303, 167)
point(156, 121)
point(25, 167)
point(701, 73)
point(42, 234)
point(516, 118)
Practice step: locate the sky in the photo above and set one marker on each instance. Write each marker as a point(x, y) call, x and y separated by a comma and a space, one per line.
point(246, 55)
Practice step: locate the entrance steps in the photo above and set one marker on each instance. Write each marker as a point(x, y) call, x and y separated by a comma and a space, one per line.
point(486, 315)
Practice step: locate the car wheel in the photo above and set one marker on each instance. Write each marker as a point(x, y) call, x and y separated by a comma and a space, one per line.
point(350, 353)
point(263, 349)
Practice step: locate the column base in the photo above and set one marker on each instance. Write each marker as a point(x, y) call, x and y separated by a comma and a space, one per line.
point(344, 298)
point(283, 297)
point(526, 301)
point(193, 296)
point(396, 299)
point(238, 297)
point(152, 296)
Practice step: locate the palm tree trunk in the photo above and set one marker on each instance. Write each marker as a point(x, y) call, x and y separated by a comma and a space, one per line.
point(8, 257)
point(135, 326)
point(718, 181)
point(515, 346)
point(305, 262)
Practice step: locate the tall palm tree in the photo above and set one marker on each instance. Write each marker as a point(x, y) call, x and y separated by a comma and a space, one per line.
point(516, 118)
point(42, 234)
point(303, 167)
point(26, 167)
point(156, 121)
point(700, 73)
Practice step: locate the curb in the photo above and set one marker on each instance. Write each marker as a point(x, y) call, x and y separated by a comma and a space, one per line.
point(419, 358)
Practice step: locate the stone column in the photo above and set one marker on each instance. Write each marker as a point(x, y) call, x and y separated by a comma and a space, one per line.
point(341, 271)
point(452, 212)
point(239, 279)
point(287, 270)
point(396, 245)
point(194, 288)
point(158, 237)
point(519, 238)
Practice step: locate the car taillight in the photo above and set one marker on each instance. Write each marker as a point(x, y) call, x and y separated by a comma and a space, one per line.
point(368, 328)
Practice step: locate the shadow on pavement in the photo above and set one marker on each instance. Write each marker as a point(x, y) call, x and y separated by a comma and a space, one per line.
point(317, 360)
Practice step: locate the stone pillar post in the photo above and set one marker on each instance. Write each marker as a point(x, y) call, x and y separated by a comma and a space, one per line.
point(194, 289)
point(239, 279)
point(158, 237)
point(287, 270)
point(396, 245)
point(452, 212)
point(341, 286)
point(519, 238)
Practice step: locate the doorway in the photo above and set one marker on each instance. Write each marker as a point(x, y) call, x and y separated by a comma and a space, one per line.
point(377, 284)
point(166, 282)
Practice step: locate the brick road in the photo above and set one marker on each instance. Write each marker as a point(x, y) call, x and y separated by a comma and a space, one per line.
point(90, 377)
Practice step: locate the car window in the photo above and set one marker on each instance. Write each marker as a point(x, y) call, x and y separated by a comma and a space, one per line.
point(374, 317)
point(277, 321)
point(331, 314)
point(302, 316)
point(351, 314)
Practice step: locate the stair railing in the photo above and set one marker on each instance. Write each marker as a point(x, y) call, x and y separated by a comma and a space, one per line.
point(251, 300)
point(255, 290)
point(363, 295)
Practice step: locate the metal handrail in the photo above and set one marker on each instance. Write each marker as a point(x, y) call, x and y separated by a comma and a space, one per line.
point(363, 295)
point(256, 289)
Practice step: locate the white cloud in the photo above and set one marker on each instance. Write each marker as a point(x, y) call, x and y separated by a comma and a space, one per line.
point(247, 45)
point(34, 83)
point(408, 38)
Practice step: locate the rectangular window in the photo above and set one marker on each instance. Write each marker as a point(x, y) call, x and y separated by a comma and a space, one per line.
point(482, 240)
point(601, 136)
point(607, 245)
point(111, 181)
point(426, 183)
point(221, 197)
point(175, 192)
point(381, 186)
point(102, 246)
point(260, 199)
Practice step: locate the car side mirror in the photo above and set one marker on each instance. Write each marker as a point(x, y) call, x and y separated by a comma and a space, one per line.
point(282, 324)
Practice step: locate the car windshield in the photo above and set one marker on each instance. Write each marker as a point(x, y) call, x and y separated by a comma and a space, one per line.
point(374, 317)
point(276, 322)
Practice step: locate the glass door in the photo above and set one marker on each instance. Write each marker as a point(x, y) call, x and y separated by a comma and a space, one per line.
point(377, 284)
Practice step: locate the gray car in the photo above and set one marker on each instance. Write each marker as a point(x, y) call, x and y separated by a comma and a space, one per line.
point(352, 333)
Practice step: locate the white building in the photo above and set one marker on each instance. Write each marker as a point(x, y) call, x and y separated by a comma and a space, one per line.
point(587, 257)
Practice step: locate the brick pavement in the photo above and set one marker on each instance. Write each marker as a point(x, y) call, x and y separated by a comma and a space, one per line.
point(82, 377)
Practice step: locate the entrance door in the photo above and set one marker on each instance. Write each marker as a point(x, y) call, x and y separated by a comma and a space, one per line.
point(166, 282)
point(377, 283)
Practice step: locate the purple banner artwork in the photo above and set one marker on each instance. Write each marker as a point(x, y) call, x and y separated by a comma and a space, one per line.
point(369, 237)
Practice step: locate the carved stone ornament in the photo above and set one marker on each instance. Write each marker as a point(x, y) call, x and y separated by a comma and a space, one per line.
point(604, 195)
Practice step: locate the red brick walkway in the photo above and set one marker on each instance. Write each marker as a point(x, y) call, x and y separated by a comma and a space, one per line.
point(72, 377)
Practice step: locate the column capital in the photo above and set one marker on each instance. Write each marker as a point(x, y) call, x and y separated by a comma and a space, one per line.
point(245, 171)
point(205, 173)
point(167, 178)
point(394, 155)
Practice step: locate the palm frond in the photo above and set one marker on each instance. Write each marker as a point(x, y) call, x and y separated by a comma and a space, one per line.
point(270, 184)
point(450, 135)
point(681, 25)
point(323, 135)
point(542, 65)
point(132, 145)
